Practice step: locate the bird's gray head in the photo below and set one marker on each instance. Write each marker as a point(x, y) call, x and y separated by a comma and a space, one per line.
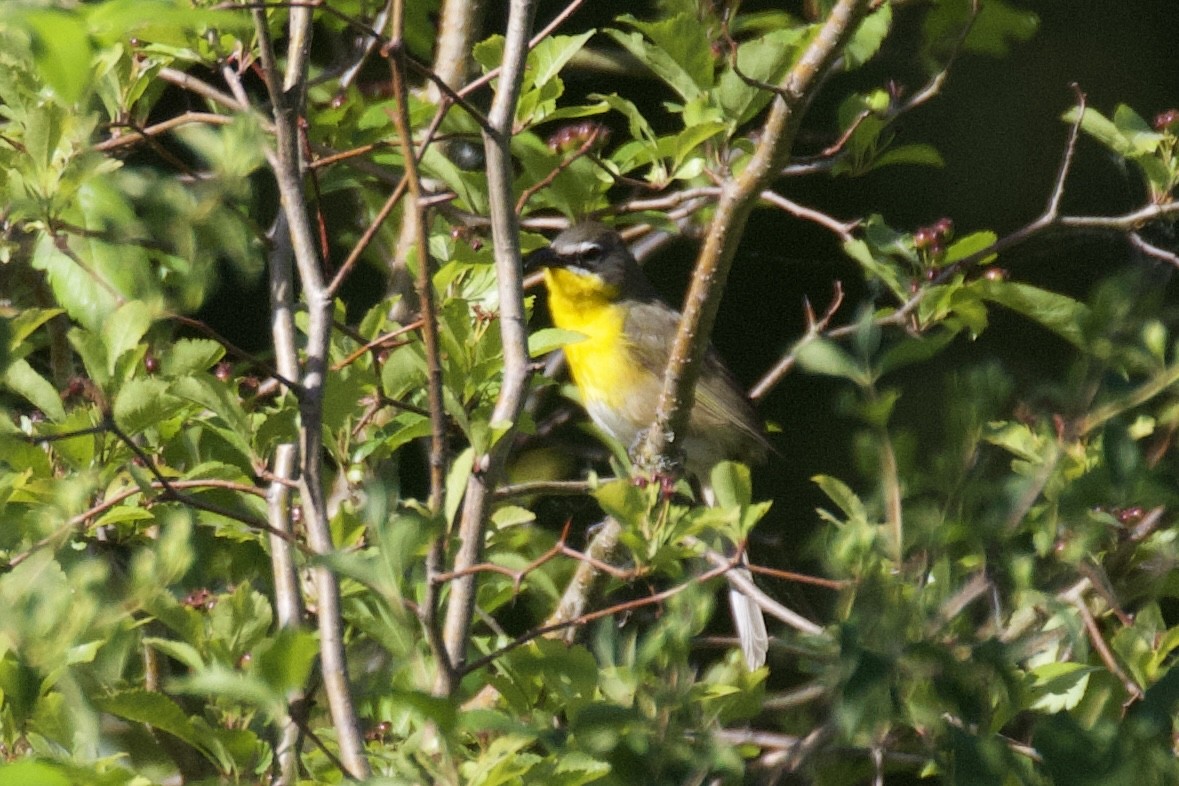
point(594, 249)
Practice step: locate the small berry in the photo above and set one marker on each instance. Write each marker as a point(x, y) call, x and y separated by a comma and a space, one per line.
point(944, 227)
point(1130, 516)
point(1167, 121)
point(568, 138)
point(924, 238)
point(151, 363)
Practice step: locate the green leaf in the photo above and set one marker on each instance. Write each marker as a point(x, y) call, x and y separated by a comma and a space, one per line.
point(546, 340)
point(1057, 687)
point(26, 323)
point(971, 244)
point(61, 49)
point(996, 27)
point(24, 772)
point(87, 302)
point(21, 379)
point(1100, 128)
point(866, 41)
point(143, 403)
point(622, 500)
point(547, 59)
point(821, 356)
point(456, 481)
point(221, 683)
point(285, 660)
point(676, 49)
point(732, 485)
point(861, 252)
point(181, 651)
point(915, 349)
point(124, 330)
point(1060, 314)
point(842, 495)
point(918, 154)
point(489, 53)
point(1140, 137)
point(153, 709)
point(764, 59)
point(190, 355)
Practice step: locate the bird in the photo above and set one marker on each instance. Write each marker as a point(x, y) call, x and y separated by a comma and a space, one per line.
point(597, 289)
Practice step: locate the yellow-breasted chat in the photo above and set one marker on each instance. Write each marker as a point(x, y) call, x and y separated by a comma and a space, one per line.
point(597, 289)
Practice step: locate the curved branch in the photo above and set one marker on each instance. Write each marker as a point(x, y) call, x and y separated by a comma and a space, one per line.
point(739, 195)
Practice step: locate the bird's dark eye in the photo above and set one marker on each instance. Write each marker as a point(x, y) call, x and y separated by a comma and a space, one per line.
point(590, 255)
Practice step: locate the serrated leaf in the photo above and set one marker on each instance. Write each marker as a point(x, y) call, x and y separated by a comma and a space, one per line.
point(143, 403)
point(676, 49)
point(549, 56)
point(189, 355)
point(87, 303)
point(1058, 687)
point(285, 662)
point(1059, 313)
point(217, 398)
point(152, 709)
point(23, 380)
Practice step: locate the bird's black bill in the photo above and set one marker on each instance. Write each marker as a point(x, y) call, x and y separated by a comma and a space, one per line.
point(540, 258)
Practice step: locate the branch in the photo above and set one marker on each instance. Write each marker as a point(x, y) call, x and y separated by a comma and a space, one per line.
point(287, 99)
point(738, 197)
point(513, 330)
point(583, 619)
point(815, 330)
point(415, 222)
point(288, 603)
point(743, 582)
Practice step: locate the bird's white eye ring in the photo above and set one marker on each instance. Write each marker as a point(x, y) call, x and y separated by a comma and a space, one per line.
point(590, 253)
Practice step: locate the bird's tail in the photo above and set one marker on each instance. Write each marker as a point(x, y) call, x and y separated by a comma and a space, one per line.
point(751, 626)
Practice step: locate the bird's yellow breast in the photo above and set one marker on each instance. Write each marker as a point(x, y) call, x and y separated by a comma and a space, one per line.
point(600, 363)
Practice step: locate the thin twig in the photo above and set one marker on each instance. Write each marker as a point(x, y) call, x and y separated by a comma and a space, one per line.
point(415, 218)
point(630, 605)
point(743, 582)
point(815, 330)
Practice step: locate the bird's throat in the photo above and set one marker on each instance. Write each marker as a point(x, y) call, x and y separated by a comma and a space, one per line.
point(600, 363)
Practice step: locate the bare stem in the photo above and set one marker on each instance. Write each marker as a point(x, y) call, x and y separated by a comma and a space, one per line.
point(287, 99)
point(513, 330)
